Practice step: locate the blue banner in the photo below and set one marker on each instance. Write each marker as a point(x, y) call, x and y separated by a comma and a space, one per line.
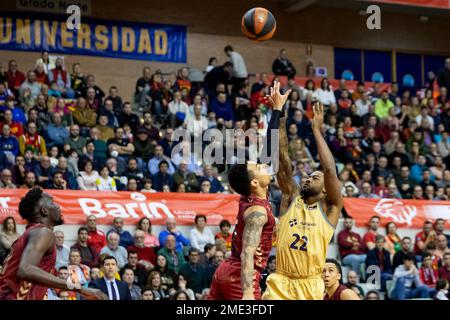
point(114, 39)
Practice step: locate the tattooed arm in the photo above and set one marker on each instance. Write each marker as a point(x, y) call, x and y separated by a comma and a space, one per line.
point(255, 218)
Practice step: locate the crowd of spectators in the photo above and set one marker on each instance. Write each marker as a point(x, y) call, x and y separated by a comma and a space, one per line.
point(60, 130)
point(416, 268)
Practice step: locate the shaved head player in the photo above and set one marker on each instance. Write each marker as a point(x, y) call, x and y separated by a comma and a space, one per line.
point(238, 277)
point(309, 215)
point(26, 273)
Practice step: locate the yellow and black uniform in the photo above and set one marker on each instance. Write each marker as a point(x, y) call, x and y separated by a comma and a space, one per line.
point(304, 233)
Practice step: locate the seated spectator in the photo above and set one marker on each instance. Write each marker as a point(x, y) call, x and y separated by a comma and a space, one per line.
point(62, 79)
point(194, 273)
point(57, 182)
point(62, 251)
point(178, 110)
point(133, 170)
point(128, 117)
point(366, 192)
point(147, 294)
point(187, 177)
point(153, 164)
point(96, 237)
point(68, 176)
point(442, 289)
point(150, 240)
point(393, 240)
point(224, 233)
point(270, 268)
point(381, 258)
point(84, 116)
point(154, 284)
point(9, 145)
point(31, 140)
point(351, 249)
point(383, 105)
point(441, 246)
point(88, 255)
point(44, 172)
point(167, 276)
point(93, 103)
point(171, 226)
point(146, 255)
point(32, 84)
point(106, 132)
point(439, 227)
point(216, 185)
point(222, 108)
point(282, 66)
point(372, 295)
point(444, 271)
point(140, 274)
point(207, 256)
point(205, 186)
point(75, 141)
point(104, 182)
point(405, 276)
point(162, 177)
point(143, 88)
point(143, 149)
point(88, 177)
point(428, 275)
point(8, 236)
point(128, 277)
point(78, 272)
point(15, 127)
point(200, 236)
point(149, 126)
point(126, 239)
point(352, 283)
point(114, 249)
point(175, 259)
point(423, 238)
point(119, 147)
point(115, 98)
point(14, 77)
point(181, 287)
point(56, 132)
point(370, 236)
point(196, 123)
point(399, 256)
point(6, 180)
point(108, 111)
point(29, 181)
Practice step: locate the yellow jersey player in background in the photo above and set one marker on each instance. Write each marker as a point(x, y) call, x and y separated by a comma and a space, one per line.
point(307, 226)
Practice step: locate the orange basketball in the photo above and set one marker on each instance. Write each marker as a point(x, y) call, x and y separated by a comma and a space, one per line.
point(258, 24)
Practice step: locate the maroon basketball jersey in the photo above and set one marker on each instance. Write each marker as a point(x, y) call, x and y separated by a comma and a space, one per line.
point(337, 294)
point(14, 288)
point(263, 250)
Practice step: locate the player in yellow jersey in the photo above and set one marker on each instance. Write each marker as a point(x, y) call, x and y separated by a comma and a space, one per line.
point(308, 217)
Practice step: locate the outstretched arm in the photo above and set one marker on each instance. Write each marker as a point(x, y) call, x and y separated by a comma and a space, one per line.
point(255, 218)
point(284, 174)
point(332, 184)
point(40, 241)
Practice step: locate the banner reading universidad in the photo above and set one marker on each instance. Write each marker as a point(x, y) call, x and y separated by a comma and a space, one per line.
point(114, 39)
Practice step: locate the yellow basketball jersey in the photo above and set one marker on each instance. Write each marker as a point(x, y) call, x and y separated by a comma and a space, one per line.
point(303, 235)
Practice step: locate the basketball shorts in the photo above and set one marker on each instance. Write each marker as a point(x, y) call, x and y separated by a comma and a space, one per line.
point(282, 287)
point(226, 284)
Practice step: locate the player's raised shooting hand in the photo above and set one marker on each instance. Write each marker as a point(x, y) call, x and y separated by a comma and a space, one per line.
point(318, 116)
point(93, 294)
point(276, 99)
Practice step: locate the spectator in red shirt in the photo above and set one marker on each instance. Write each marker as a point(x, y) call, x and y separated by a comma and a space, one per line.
point(15, 127)
point(146, 255)
point(97, 238)
point(424, 237)
point(225, 233)
point(369, 238)
point(444, 271)
point(427, 274)
point(14, 77)
point(351, 248)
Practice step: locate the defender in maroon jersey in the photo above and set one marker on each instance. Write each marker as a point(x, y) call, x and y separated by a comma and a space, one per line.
point(27, 270)
point(238, 277)
point(332, 278)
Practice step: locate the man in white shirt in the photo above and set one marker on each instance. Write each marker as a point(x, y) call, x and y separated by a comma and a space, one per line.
point(363, 104)
point(113, 249)
point(196, 123)
point(239, 67)
point(178, 109)
point(62, 251)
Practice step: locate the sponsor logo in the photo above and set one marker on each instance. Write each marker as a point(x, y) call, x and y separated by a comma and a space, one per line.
point(396, 210)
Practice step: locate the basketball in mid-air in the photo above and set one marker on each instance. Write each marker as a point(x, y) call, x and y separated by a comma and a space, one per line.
point(258, 24)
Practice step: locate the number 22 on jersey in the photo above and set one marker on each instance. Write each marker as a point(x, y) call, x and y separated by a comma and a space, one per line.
point(297, 239)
